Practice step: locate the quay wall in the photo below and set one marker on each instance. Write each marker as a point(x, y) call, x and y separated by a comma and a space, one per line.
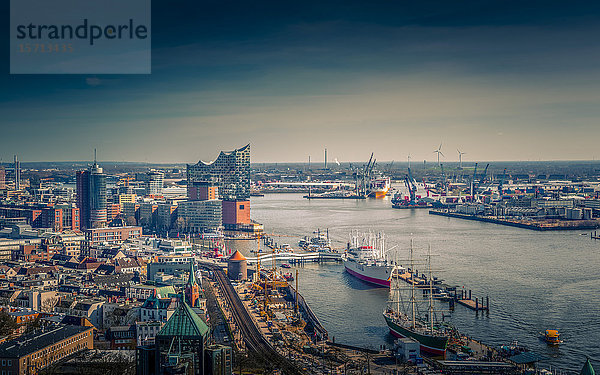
point(310, 315)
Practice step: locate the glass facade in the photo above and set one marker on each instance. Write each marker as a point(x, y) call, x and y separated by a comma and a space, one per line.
point(230, 172)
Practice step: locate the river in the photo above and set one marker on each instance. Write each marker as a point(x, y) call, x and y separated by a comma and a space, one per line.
point(535, 280)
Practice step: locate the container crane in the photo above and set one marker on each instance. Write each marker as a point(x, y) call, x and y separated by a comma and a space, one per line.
point(473, 183)
point(443, 179)
point(412, 188)
point(501, 184)
point(484, 173)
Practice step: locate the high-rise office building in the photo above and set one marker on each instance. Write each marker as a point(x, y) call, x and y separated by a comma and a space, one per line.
point(17, 167)
point(154, 183)
point(2, 178)
point(91, 197)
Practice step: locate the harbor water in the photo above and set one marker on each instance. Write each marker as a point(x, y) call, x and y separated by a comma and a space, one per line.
point(535, 280)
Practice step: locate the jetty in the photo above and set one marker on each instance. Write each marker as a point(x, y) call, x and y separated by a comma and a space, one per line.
point(466, 300)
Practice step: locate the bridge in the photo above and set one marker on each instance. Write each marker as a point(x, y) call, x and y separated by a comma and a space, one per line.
point(297, 258)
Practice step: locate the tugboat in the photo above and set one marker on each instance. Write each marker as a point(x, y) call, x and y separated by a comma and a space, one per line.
point(552, 337)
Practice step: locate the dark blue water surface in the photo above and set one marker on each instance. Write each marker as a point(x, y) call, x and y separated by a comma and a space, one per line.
point(535, 280)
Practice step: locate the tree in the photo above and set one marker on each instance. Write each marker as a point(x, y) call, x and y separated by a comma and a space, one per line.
point(48, 304)
point(180, 224)
point(7, 324)
point(130, 220)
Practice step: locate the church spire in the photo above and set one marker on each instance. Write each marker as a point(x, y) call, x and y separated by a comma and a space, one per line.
point(192, 275)
point(192, 289)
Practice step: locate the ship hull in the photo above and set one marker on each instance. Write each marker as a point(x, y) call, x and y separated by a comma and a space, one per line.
point(375, 275)
point(431, 344)
point(378, 194)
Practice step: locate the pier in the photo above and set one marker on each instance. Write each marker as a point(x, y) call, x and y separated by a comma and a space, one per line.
point(463, 297)
point(539, 224)
point(467, 301)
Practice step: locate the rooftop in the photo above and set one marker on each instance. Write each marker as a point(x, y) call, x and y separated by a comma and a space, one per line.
point(35, 341)
point(184, 322)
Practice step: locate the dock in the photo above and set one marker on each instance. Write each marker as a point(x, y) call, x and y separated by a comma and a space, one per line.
point(310, 317)
point(335, 197)
point(539, 224)
point(473, 305)
point(463, 297)
point(466, 300)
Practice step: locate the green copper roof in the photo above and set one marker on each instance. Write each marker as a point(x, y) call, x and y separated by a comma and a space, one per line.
point(184, 322)
point(165, 291)
point(587, 368)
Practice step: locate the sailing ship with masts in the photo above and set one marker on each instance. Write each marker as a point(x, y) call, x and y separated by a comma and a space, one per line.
point(406, 321)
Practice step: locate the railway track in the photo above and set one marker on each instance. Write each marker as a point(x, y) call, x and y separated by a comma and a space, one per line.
point(253, 338)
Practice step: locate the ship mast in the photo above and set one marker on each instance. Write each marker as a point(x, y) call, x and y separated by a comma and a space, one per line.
point(430, 289)
point(412, 288)
point(396, 281)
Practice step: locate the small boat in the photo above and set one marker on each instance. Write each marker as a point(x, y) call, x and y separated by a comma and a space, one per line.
point(288, 277)
point(285, 265)
point(552, 337)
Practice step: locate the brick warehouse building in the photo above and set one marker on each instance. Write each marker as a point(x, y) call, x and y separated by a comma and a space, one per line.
point(33, 352)
point(57, 217)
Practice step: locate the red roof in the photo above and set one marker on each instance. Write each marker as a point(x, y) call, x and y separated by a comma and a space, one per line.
point(237, 256)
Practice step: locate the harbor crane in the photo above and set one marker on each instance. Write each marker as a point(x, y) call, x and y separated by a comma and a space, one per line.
point(411, 185)
point(443, 178)
point(473, 183)
point(501, 184)
point(481, 180)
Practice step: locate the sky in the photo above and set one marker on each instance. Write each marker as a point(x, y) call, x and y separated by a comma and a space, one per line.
point(499, 80)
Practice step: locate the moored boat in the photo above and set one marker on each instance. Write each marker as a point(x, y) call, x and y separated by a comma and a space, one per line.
point(379, 187)
point(366, 259)
point(432, 337)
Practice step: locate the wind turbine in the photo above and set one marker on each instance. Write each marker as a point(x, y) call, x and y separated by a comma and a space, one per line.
point(460, 154)
point(439, 152)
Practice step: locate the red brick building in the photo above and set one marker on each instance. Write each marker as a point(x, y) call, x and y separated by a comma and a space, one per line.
point(235, 213)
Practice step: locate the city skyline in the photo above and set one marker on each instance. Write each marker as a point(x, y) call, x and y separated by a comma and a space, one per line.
point(497, 80)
